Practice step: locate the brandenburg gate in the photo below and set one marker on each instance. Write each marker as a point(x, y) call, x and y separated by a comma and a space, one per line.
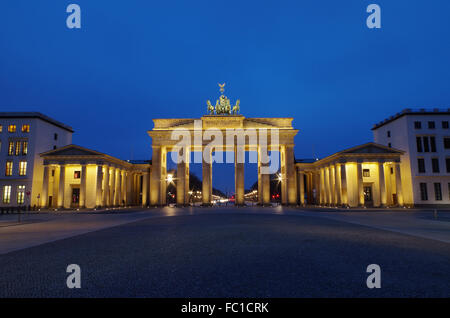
point(223, 130)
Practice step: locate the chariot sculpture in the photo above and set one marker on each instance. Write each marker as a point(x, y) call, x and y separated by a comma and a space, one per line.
point(223, 105)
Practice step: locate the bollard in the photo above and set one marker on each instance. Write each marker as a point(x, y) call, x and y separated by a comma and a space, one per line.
point(435, 214)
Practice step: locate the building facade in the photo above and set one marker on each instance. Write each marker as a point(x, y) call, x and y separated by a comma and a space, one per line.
point(76, 178)
point(364, 176)
point(23, 136)
point(424, 136)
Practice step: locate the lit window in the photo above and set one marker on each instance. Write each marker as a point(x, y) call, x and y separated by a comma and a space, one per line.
point(20, 194)
point(76, 174)
point(423, 192)
point(11, 148)
point(421, 165)
point(26, 128)
point(366, 172)
point(18, 148)
point(22, 168)
point(12, 128)
point(437, 191)
point(24, 147)
point(1, 128)
point(9, 167)
point(7, 194)
point(435, 165)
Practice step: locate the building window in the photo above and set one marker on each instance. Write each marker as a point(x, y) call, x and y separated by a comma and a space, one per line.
point(445, 125)
point(53, 172)
point(77, 174)
point(18, 148)
point(55, 136)
point(389, 145)
point(12, 128)
point(417, 125)
point(7, 194)
point(366, 173)
point(447, 163)
point(24, 148)
point(389, 133)
point(431, 125)
point(449, 190)
point(20, 194)
point(54, 147)
point(421, 165)
point(447, 142)
point(1, 128)
point(435, 165)
point(9, 168)
point(433, 144)
point(419, 144)
point(423, 192)
point(22, 168)
point(26, 128)
point(392, 170)
point(11, 148)
point(437, 191)
point(426, 145)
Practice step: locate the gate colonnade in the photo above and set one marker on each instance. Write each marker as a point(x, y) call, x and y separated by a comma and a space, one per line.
point(366, 175)
point(221, 126)
point(77, 177)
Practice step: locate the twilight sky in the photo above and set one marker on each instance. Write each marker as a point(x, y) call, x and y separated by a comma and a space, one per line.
point(315, 61)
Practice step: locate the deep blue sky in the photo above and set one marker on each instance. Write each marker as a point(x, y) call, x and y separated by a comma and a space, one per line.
point(133, 61)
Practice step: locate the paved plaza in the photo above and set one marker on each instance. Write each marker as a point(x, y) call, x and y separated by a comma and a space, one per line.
point(226, 252)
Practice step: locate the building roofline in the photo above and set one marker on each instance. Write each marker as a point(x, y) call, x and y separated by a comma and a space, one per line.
point(36, 115)
point(409, 111)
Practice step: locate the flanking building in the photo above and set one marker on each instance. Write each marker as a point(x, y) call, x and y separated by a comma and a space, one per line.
point(424, 136)
point(23, 137)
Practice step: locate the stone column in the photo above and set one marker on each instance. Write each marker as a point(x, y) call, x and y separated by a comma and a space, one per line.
point(398, 184)
point(327, 186)
point(239, 178)
point(291, 176)
point(263, 178)
point(322, 200)
point(382, 183)
point(155, 177)
point(301, 184)
point(83, 186)
point(44, 197)
point(331, 184)
point(145, 189)
point(106, 193)
point(284, 192)
point(206, 179)
point(163, 189)
point(98, 190)
point(181, 182)
point(119, 187)
point(61, 188)
point(186, 178)
point(344, 184)
point(112, 192)
point(129, 188)
point(360, 184)
point(337, 185)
